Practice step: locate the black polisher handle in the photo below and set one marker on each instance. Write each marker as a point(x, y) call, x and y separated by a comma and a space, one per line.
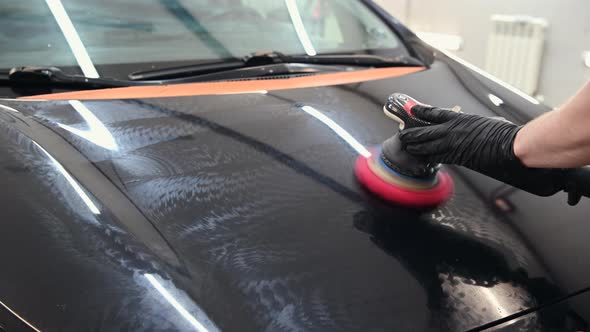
point(399, 108)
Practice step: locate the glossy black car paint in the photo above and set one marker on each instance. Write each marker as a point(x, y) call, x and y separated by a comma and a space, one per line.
point(241, 213)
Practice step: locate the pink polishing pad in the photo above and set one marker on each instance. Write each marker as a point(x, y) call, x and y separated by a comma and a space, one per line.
point(438, 194)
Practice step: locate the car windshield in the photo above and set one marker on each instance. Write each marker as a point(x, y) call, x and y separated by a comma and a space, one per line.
point(144, 32)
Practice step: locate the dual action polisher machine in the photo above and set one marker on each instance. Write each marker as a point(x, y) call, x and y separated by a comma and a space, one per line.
point(397, 176)
point(400, 178)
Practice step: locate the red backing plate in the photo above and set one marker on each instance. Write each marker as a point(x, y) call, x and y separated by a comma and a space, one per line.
point(403, 196)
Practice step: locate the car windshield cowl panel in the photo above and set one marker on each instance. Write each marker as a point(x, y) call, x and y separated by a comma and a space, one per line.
point(270, 58)
point(143, 34)
point(255, 65)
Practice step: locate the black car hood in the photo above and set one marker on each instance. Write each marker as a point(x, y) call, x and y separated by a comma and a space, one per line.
point(241, 212)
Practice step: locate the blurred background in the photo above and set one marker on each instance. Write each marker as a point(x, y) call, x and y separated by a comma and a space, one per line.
point(541, 47)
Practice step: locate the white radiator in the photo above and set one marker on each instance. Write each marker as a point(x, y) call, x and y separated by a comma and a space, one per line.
point(515, 50)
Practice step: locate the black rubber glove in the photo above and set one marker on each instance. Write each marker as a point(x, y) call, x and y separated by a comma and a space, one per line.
point(482, 144)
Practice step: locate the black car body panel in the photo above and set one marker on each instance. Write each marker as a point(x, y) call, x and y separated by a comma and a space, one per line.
point(244, 209)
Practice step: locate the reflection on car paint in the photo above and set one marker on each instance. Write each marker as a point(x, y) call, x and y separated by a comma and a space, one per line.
point(491, 302)
point(97, 258)
point(81, 193)
point(96, 133)
point(4, 107)
point(440, 251)
point(358, 147)
point(19, 317)
point(495, 99)
point(202, 324)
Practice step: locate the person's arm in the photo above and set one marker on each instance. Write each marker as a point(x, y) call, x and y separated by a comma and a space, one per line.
point(559, 138)
point(531, 157)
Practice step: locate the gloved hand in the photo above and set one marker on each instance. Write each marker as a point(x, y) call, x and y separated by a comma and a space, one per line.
point(482, 144)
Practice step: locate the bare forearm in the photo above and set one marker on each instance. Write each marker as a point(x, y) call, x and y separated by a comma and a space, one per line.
point(559, 138)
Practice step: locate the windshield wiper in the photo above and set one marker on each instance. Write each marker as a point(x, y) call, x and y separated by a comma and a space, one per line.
point(365, 60)
point(53, 76)
point(271, 58)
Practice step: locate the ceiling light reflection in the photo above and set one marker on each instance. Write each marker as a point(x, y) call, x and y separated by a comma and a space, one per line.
point(8, 108)
point(495, 302)
point(338, 130)
point(299, 27)
point(69, 31)
point(495, 99)
point(97, 133)
point(75, 185)
point(19, 317)
point(183, 312)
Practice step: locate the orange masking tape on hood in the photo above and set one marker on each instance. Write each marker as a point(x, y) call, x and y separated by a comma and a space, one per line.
point(232, 87)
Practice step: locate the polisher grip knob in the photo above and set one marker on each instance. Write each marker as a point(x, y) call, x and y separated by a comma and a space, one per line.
point(399, 108)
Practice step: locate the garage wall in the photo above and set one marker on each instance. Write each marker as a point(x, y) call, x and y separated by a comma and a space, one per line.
point(568, 34)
